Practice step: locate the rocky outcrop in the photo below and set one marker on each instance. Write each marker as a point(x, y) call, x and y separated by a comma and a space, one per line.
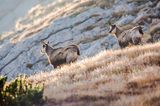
point(84, 23)
point(86, 29)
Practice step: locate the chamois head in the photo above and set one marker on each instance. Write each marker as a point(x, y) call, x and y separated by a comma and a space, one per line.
point(112, 28)
point(44, 46)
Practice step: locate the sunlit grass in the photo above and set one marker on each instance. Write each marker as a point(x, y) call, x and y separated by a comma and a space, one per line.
point(129, 72)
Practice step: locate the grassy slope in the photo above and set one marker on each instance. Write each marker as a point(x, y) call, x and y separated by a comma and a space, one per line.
point(129, 76)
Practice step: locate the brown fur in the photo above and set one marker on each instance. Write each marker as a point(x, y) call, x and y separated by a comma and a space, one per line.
point(126, 37)
point(61, 55)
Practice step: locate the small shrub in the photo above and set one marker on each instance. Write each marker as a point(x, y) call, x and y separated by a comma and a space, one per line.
point(19, 92)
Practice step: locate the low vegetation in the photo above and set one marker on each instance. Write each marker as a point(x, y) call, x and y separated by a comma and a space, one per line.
point(19, 92)
point(126, 77)
point(130, 76)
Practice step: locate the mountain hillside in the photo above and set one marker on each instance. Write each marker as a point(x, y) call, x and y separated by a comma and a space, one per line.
point(121, 77)
point(64, 22)
point(104, 74)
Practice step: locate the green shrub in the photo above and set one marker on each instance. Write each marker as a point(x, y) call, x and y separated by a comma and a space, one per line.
point(19, 92)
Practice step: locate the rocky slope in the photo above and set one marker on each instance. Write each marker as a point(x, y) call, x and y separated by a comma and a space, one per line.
point(64, 22)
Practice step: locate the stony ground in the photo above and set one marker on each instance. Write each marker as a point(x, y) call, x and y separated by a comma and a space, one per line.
point(20, 50)
point(123, 77)
point(84, 23)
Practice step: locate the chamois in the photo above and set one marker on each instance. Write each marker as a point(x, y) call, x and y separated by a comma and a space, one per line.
point(126, 37)
point(61, 55)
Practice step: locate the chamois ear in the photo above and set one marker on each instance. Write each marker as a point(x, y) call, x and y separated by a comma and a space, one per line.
point(42, 42)
point(48, 42)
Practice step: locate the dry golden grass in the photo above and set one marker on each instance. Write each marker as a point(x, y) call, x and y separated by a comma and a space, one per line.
point(124, 77)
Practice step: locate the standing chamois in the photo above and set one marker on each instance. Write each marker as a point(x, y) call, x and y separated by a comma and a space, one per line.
point(60, 55)
point(126, 37)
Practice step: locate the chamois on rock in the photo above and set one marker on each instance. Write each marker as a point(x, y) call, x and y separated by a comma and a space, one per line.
point(126, 37)
point(61, 55)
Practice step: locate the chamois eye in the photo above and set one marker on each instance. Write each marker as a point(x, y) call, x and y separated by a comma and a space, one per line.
point(44, 46)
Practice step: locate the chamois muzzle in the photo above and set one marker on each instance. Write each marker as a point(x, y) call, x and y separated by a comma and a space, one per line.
point(112, 27)
point(44, 45)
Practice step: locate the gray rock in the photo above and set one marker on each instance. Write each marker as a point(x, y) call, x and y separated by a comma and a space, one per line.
point(125, 20)
point(87, 29)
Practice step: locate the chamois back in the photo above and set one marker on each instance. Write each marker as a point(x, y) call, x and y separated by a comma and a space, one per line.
point(61, 55)
point(126, 37)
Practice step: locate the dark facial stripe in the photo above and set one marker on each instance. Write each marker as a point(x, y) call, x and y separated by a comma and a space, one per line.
point(112, 28)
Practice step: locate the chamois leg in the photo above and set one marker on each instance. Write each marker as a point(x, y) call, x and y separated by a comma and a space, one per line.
point(73, 60)
point(136, 41)
point(55, 66)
